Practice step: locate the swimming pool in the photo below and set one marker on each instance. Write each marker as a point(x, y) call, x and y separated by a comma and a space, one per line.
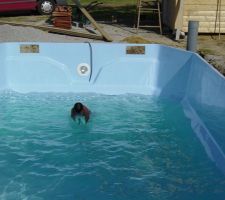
point(156, 130)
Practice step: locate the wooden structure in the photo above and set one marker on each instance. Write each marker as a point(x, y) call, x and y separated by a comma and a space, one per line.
point(209, 13)
point(57, 30)
point(93, 22)
point(62, 17)
point(148, 6)
point(61, 28)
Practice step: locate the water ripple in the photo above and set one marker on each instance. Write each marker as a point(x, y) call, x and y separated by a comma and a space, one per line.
point(134, 147)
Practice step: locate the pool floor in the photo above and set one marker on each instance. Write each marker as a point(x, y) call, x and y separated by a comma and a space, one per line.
point(134, 147)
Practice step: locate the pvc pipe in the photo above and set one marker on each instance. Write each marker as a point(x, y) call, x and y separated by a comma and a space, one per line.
point(192, 35)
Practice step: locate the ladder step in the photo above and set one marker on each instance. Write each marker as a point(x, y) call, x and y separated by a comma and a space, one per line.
point(149, 10)
point(149, 26)
point(141, 6)
point(151, 7)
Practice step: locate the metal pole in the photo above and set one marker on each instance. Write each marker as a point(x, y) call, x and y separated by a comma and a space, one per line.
point(192, 35)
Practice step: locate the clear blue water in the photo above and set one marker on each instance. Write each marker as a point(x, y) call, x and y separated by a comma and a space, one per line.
point(134, 147)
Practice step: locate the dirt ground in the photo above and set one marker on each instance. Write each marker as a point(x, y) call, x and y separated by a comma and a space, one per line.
point(210, 47)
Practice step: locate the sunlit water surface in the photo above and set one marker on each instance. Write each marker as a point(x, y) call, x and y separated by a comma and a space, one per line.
point(134, 148)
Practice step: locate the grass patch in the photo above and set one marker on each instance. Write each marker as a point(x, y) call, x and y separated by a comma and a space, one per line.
point(136, 40)
point(206, 51)
point(122, 14)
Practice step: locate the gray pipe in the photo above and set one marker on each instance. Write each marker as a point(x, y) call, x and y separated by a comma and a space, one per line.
point(192, 35)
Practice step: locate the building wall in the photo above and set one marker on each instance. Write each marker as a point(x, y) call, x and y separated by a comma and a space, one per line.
point(177, 13)
point(206, 12)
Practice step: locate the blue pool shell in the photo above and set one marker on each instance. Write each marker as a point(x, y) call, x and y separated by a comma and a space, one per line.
point(161, 71)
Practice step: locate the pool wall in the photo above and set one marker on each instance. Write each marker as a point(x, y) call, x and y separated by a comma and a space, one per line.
point(206, 88)
point(52, 69)
point(2, 66)
point(205, 84)
point(111, 69)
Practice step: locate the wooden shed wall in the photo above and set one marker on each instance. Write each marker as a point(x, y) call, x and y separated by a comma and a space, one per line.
point(204, 11)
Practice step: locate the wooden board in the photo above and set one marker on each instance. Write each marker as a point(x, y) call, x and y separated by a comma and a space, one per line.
point(206, 30)
point(195, 7)
point(61, 14)
point(202, 2)
point(93, 22)
point(206, 24)
point(56, 30)
point(204, 18)
point(202, 13)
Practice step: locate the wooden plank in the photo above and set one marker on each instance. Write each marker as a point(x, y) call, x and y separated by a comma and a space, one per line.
point(61, 14)
point(207, 24)
point(56, 30)
point(202, 2)
point(207, 27)
point(202, 13)
point(202, 18)
point(204, 7)
point(205, 30)
point(94, 23)
point(63, 18)
point(62, 24)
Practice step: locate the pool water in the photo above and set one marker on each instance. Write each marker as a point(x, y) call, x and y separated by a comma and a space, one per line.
point(134, 147)
point(213, 118)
